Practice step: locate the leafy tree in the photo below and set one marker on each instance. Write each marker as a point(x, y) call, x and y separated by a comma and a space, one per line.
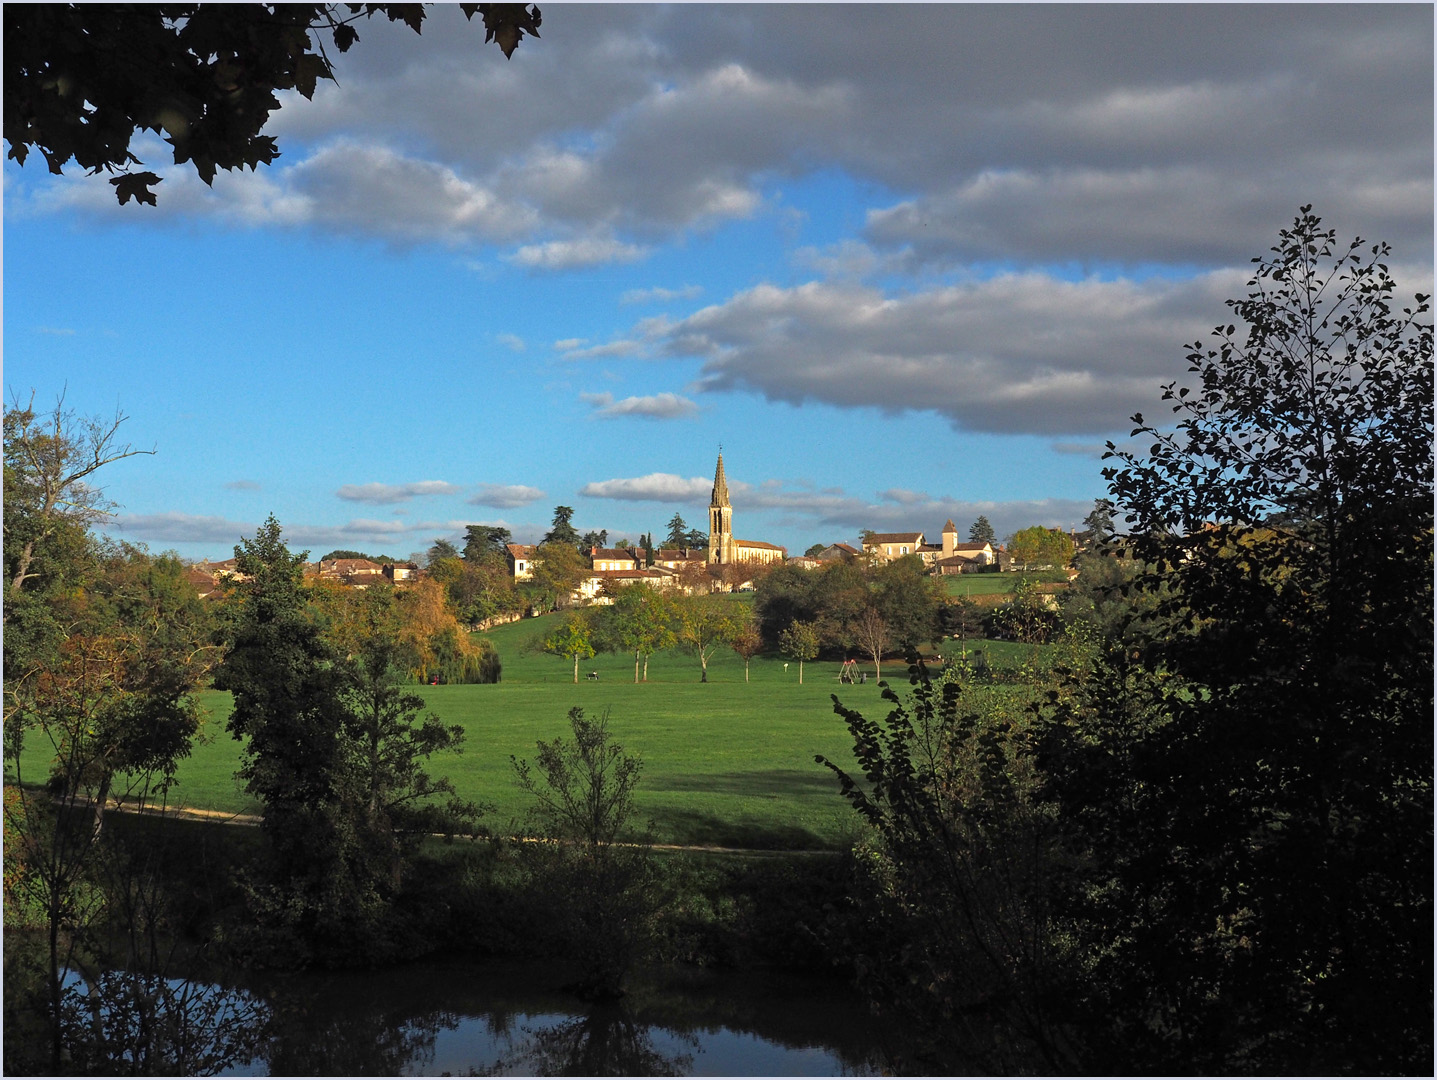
point(678, 532)
point(334, 753)
point(81, 80)
point(696, 540)
point(1100, 523)
point(573, 639)
point(908, 601)
point(640, 618)
point(442, 549)
point(747, 641)
point(392, 745)
point(704, 624)
point(1027, 616)
point(951, 919)
point(586, 793)
point(981, 532)
point(1264, 824)
point(598, 892)
point(486, 543)
point(48, 460)
point(289, 687)
point(557, 570)
point(814, 549)
point(799, 642)
point(1039, 546)
point(594, 538)
point(563, 531)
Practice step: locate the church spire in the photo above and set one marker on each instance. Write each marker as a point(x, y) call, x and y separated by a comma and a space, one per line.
point(720, 492)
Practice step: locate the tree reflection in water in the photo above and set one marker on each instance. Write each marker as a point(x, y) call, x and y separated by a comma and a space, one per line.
point(308, 1037)
point(608, 1041)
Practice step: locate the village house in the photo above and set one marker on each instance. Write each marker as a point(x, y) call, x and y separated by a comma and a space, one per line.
point(949, 557)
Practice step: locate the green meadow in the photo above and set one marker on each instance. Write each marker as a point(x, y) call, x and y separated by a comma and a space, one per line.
point(727, 763)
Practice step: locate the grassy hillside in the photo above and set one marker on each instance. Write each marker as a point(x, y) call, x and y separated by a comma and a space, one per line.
point(728, 762)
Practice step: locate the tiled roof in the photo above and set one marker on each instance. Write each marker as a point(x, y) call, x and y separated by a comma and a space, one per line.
point(758, 544)
point(895, 538)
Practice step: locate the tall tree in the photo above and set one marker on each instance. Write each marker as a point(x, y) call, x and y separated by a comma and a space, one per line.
point(678, 532)
point(981, 532)
point(486, 543)
point(1266, 834)
point(81, 80)
point(289, 687)
point(594, 538)
point(441, 549)
point(563, 531)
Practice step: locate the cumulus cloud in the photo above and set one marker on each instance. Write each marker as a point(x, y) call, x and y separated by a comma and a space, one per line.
point(382, 494)
point(504, 496)
point(1015, 353)
point(656, 487)
point(1062, 133)
point(511, 341)
point(665, 406)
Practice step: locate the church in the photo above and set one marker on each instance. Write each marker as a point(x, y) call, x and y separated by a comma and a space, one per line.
point(724, 550)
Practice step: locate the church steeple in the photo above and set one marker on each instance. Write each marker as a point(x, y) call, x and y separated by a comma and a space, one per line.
point(720, 492)
point(720, 519)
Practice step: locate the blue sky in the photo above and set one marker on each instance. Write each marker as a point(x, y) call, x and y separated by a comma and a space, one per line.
point(904, 263)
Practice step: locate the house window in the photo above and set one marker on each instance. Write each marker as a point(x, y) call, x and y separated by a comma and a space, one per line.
point(903, 550)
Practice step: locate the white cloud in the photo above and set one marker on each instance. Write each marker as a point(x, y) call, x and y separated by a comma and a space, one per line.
point(381, 494)
point(511, 341)
point(242, 485)
point(661, 295)
point(180, 528)
point(504, 496)
point(656, 487)
point(596, 352)
point(665, 406)
point(575, 254)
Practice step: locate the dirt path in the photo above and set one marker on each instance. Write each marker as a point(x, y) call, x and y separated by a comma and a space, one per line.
point(228, 817)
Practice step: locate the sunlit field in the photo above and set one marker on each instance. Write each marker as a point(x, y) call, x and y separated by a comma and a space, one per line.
point(727, 763)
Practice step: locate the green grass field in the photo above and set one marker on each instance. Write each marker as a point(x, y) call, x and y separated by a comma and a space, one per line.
point(726, 763)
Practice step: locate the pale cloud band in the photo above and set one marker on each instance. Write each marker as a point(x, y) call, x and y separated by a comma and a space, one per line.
point(664, 406)
point(385, 494)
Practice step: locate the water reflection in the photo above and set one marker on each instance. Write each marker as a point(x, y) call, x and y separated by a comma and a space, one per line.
point(509, 1019)
point(608, 1041)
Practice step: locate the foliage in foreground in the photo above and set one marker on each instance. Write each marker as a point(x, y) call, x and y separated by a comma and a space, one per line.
point(1210, 849)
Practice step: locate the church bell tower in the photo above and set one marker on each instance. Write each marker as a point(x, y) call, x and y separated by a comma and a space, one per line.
point(720, 519)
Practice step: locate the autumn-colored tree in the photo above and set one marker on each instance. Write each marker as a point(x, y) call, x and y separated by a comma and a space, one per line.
point(747, 641)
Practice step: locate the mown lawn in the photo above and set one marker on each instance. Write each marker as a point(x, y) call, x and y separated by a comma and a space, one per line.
point(727, 763)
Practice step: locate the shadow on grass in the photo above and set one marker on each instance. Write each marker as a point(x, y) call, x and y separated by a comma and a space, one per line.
point(693, 827)
point(758, 783)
